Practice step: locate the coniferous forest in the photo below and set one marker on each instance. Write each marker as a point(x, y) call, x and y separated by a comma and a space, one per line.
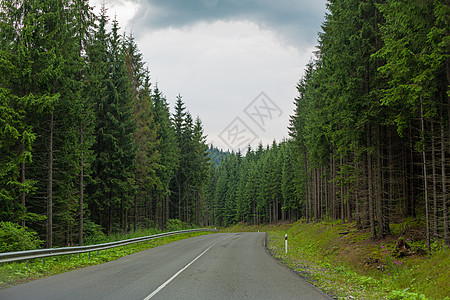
point(88, 144)
point(370, 133)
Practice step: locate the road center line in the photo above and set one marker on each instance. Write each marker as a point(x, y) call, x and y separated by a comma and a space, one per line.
point(179, 272)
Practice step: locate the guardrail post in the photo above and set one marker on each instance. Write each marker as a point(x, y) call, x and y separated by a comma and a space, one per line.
point(69, 257)
point(89, 255)
point(43, 260)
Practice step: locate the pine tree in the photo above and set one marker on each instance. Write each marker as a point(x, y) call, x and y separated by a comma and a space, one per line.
point(147, 157)
point(201, 168)
point(169, 149)
point(114, 169)
point(180, 177)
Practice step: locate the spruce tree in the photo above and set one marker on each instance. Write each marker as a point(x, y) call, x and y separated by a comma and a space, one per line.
point(114, 185)
point(145, 136)
point(167, 145)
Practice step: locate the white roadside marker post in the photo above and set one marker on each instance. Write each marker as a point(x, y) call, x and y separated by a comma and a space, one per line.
point(285, 242)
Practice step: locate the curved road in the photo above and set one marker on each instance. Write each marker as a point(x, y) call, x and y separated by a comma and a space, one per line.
point(215, 266)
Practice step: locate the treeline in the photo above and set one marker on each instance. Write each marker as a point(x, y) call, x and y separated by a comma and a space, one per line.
point(263, 186)
point(217, 155)
point(86, 143)
point(370, 131)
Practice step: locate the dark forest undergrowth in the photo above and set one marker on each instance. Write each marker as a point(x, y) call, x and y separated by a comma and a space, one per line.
point(347, 264)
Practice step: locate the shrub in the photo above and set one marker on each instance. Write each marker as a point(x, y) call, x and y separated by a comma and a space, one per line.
point(175, 225)
point(93, 233)
point(14, 237)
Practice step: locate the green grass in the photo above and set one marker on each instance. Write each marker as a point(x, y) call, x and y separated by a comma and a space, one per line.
point(352, 266)
point(16, 273)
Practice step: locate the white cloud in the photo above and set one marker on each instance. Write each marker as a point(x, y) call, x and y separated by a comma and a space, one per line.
point(123, 10)
point(219, 68)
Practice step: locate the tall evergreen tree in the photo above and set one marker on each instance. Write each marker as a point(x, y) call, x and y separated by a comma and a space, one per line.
point(169, 149)
point(200, 169)
point(114, 170)
point(147, 157)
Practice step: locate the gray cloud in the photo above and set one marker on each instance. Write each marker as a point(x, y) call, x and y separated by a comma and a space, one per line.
point(296, 21)
point(218, 57)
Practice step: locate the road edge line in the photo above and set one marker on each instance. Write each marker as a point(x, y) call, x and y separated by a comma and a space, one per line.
point(179, 272)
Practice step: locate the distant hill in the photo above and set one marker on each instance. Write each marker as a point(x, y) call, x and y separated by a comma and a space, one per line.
point(217, 155)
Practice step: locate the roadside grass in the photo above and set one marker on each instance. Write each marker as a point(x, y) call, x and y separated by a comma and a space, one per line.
point(100, 237)
point(345, 262)
point(19, 272)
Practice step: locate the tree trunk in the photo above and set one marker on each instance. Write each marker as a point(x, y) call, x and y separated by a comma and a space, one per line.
point(212, 212)
point(425, 178)
point(434, 178)
point(197, 207)
point(22, 180)
point(274, 210)
point(135, 217)
point(348, 204)
point(335, 192)
point(370, 190)
point(179, 197)
point(390, 183)
point(365, 223)
point(380, 196)
point(125, 225)
point(315, 183)
point(405, 183)
point(447, 64)
point(320, 193)
point(444, 188)
point(49, 237)
point(412, 195)
point(327, 193)
point(382, 209)
point(333, 188)
point(109, 220)
point(341, 163)
point(167, 217)
point(81, 200)
point(357, 204)
point(307, 189)
point(186, 209)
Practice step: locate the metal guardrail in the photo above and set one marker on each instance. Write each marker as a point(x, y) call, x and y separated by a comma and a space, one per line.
point(43, 253)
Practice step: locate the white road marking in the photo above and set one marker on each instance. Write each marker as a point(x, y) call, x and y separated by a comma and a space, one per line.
point(179, 272)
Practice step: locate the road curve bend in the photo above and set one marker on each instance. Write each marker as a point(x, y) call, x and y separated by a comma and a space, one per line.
point(215, 266)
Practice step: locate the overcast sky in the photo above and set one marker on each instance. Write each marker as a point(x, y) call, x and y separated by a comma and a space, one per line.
point(236, 63)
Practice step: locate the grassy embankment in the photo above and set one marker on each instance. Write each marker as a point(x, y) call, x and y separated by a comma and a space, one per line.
point(15, 273)
point(347, 264)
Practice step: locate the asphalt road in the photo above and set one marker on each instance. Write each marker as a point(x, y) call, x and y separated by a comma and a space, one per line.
point(215, 266)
